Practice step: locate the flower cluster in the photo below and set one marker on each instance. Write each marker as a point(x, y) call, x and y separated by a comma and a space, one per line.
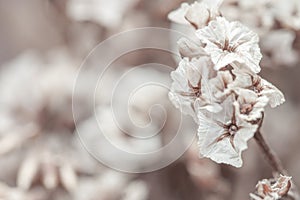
point(273, 20)
point(217, 82)
point(272, 189)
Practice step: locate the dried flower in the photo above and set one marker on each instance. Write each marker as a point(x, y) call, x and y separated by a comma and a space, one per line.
point(272, 189)
point(224, 135)
point(249, 105)
point(228, 102)
point(259, 85)
point(190, 82)
point(190, 49)
point(228, 42)
point(198, 14)
point(219, 85)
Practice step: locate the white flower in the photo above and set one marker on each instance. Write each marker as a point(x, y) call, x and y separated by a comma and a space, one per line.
point(228, 42)
point(259, 85)
point(178, 15)
point(198, 14)
point(223, 136)
point(288, 13)
point(272, 189)
point(219, 85)
point(190, 80)
point(267, 89)
point(110, 14)
point(256, 14)
point(249, 105)
point(275, 50)
point(190, 48)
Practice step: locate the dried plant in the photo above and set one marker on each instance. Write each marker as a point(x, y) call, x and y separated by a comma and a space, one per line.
point(221, 88)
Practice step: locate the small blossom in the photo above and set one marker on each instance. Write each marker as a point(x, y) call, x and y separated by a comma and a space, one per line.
point(219, 85)
point(249, 105)
point(272, 189)
point(275, 50)
point(190, 49)
point(190, 81)
point(228, 42)
point(178, 15)
point(223, 136)
point(109, 14)
point(260, 86)
point(198, 14)
point(288, 13)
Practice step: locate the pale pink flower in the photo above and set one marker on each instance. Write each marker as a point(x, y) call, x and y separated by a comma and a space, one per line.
point(224, 135)
point(250, 105)
point(198, 14)
point(229, 42)
point(109, 14)
point(259, 85)
point(288, 13)
point(275, 50)
point(190, 48)
point(190, 80)
point(272, 189)
point(219, 85)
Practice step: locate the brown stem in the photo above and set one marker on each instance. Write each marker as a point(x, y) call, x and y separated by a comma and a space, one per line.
point(269, 154)
point(274, 160)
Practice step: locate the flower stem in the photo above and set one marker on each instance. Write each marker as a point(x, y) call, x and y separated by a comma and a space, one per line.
point(272, 158)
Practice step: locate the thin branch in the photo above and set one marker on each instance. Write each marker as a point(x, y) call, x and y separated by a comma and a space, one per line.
point(272, 158)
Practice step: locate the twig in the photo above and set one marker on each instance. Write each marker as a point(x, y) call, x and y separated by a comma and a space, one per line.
point(274, 160)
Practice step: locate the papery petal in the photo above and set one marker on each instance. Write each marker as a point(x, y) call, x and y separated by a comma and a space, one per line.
point(178, 15)
point(212, 142)
point(190, 49)
point(227, 42)
point(275, 96)
point(248, 98)
point(198, 14)
point(189, 73)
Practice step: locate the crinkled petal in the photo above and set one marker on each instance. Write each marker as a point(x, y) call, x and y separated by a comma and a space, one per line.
point(227, 42)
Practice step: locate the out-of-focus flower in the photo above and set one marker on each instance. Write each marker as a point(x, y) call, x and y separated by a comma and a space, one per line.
point(190, 81)
point(249, 105)
point(107, 13)
point(136, 190)
point(272, 189)
point(278, 48)
point(15, 193)
point(257, 14)
point(16, 136)
point(224, 135)
point(49, 167)
point(109, 184)
point(228, 42)
point(288, 13)
point(33, 90)
point(198, 14)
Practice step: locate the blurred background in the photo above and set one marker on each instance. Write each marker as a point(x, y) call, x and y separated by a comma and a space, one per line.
point(43, 43)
